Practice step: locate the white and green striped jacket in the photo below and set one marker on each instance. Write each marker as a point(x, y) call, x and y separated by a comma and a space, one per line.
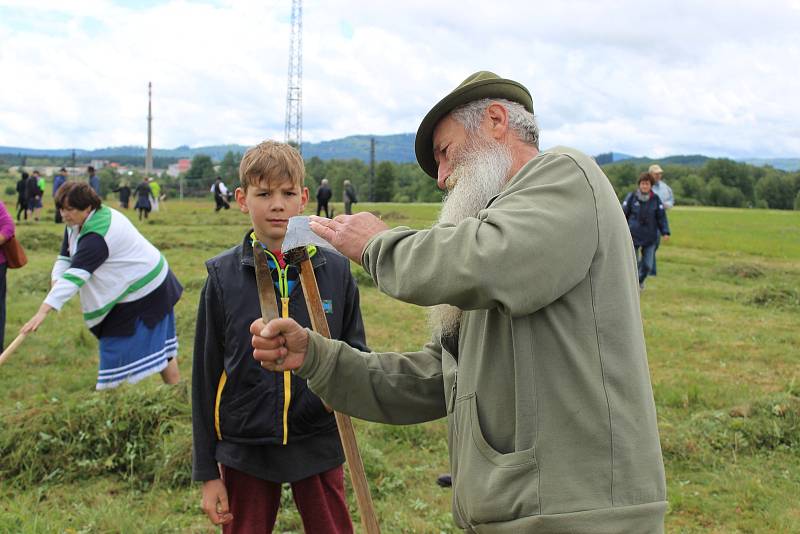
point(132, 269)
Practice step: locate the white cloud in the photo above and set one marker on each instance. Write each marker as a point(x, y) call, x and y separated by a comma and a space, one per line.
point(647, 78)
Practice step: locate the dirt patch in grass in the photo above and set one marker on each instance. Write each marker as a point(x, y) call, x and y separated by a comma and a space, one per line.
point(741, 270)
point(774, 297)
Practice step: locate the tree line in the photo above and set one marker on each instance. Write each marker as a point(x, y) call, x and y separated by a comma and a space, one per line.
point(716, 182)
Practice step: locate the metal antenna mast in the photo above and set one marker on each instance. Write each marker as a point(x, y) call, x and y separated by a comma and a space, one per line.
point(148, 158)
point(294, 93)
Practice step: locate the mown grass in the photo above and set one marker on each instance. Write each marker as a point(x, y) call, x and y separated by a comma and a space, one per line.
point(721, 322)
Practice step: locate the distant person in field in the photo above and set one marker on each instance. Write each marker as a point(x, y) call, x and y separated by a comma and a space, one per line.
point(537, 357)
point(220, 194)
point(58, 181)
point(350, 198)
point(324, 195)
point(94, 180)
point(124, 191)
point(7, 231)
point(664, 192)
point(255, 429)
point(126, 287)
point(155, 192)
point(143, 195)
point(34, 195)
point(22, 196)
point(647, 219)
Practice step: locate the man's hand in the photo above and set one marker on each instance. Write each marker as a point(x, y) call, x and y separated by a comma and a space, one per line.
point(215, 502)
point(280, 345)
point(665, 237)
point(348, 233)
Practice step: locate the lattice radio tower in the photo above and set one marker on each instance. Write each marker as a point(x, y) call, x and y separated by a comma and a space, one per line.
point(294, 92)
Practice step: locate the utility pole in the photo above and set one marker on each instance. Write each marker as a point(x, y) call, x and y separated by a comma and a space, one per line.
point(371, 169)
point(293, 129)
point(148, 158)
point(73, 160)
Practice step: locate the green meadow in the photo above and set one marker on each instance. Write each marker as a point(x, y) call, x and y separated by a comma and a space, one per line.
point(722, 322)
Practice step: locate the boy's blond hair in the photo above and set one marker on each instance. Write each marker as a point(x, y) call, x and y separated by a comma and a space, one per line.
point(271, 160)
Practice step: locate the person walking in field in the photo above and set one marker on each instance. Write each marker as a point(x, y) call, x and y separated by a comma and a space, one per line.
point(537, 357)
point(647, 219)
point(155, 192)
point(124, 191)
point(58, 181)
point(143, 195)
point(664, 192)
point(94, 180)
point(349, 196)
point(22, 196)
point(126, 288)
point(324, 195)
point(7, 230)
point(220, 194)
point(34, 195)
point(254, 429)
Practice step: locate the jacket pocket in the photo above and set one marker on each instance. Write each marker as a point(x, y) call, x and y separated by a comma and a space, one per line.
point(251, 414)
point(490, 486)
point(450, 381)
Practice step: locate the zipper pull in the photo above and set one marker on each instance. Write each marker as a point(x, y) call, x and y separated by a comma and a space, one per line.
point(284, 307)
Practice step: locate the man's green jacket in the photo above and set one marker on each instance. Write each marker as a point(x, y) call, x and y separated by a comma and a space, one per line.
point(552, 424)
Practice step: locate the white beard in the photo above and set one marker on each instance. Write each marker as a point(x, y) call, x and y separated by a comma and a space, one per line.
point(480, 174)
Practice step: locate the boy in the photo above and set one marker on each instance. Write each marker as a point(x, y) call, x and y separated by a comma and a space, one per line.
point(264, 428)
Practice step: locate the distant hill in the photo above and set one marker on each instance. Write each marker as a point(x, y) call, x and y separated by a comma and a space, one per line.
point(398, 148)
point(694, 160)
point(784, 164)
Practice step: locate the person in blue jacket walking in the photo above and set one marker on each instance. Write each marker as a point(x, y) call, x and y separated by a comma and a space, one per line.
point(646, 216)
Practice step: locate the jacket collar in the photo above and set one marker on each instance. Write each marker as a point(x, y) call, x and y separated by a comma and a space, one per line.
point(246, 253)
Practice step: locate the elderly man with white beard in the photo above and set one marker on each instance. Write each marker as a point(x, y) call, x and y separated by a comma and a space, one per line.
point(537, 356)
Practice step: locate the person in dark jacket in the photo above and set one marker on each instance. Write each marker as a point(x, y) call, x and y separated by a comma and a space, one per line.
point(143, 193)
point(34, 195)
point(59, 180)
point(255, 429)
point(323, 196)
point(220, 194)
point(646, 217)
point(124, 194)
point(349, 197)
point(94, 180)
point(22, 196)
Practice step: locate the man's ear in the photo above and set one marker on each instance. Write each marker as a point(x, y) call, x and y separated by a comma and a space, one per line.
point(496, 120)
point(241, 199)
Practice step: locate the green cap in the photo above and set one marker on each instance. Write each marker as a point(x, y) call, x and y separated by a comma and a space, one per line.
point(483, 84)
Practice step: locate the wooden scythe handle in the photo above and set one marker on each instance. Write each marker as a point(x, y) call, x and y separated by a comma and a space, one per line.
point(319, 323)
point(11, 348)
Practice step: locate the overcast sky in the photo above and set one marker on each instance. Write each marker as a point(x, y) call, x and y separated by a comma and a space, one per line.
point(647, 78)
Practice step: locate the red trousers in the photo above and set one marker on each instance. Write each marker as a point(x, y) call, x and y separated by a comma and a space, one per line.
point(254, 503)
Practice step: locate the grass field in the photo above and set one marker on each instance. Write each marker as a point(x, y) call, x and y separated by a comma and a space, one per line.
point(722, 322)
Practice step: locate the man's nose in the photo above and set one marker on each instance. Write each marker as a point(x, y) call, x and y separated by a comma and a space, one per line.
point(443, 175)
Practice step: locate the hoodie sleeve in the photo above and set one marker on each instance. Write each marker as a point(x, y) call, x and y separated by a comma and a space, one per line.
point(390, 387)
point(534, 243)
point(353, 332)
point(207, 371)
point(70, 274)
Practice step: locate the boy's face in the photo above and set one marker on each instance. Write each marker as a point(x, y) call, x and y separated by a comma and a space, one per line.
point(270, 204)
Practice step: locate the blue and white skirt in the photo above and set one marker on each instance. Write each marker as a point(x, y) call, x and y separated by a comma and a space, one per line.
point(132, 358)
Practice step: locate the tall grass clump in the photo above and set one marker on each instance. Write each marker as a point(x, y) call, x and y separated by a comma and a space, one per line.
point(769, 424)
point(141, 434)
